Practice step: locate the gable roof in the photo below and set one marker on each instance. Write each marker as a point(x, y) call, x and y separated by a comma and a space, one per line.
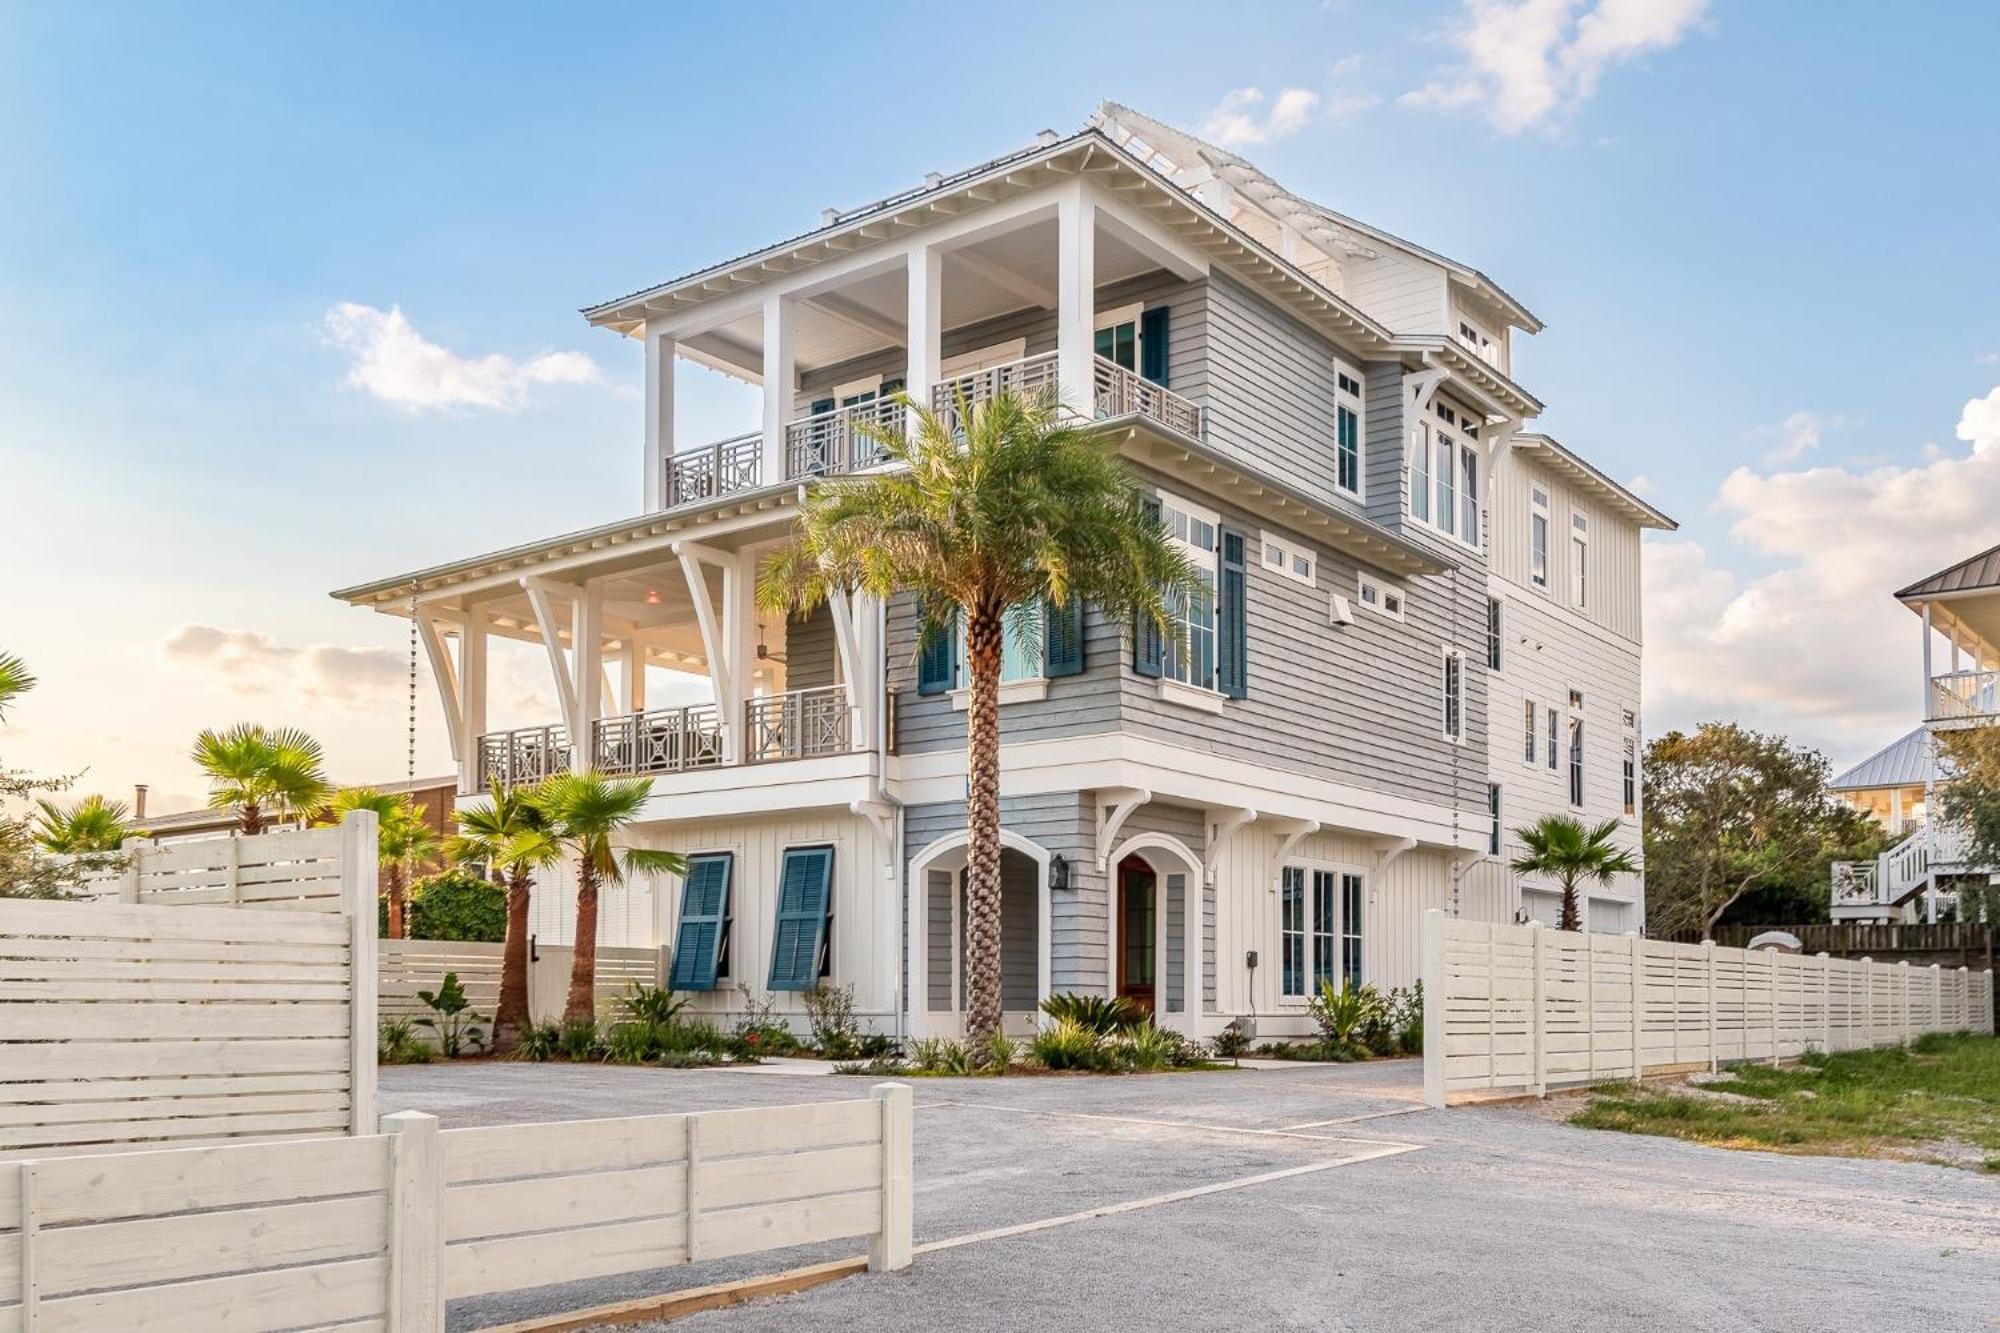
point(1902, 763)
point(1969, 575)
point(1574, 469)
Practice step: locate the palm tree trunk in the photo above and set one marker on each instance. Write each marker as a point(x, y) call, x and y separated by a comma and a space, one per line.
point(396, 927)
point(583, 969)
point(253, 818)
point(511, 1017)
point(1572, 916)
point(983, 632)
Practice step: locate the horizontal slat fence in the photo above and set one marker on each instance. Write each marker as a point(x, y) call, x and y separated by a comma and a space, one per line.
point(185, 1020)
point(381, 1231)
point(1520, 1009)
point(299, 870)
point(407, 967)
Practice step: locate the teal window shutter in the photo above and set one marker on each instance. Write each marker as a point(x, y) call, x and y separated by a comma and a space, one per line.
point(1062, 638)
point(821, 406)
point(798, 948)
point(937, 665)
point(1153, 345)
point(1232, 659)
point(703, 938)
point(1149, 649)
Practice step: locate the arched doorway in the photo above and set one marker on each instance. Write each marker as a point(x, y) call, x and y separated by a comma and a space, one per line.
point(939, 918)
point(1159, 912)
point(1138, 909)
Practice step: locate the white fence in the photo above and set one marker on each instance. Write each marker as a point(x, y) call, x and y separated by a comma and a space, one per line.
point(410, 966)
point(298, 869)
point(1519, 1009)
point(195, 1022)
point(381, 1230)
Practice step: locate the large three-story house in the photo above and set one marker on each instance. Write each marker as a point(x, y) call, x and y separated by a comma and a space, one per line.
point(1423, 629)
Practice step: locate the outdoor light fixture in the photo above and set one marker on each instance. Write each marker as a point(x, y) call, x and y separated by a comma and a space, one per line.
point(652, 597)
point(1059, 872)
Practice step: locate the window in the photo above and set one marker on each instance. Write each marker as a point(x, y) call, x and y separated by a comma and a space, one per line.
point(1283, 556)
point(1212, 653)
point(1454, 695)
point(1579, 561)
point(1493, 634)
point(1528, 707)
point(1347, 429)
point(1493, 828)
point(1350, 930)
point(1118, 336)
point(1376, 595)
point(1021, 645)
point(1420, 477)
point(701, 941)
point(1314, 923)
point(1576, 761)
point(1631, 777)
point(801, 950)
point(1471, 335)
point(1538, 538)
point(1555, 726)
point(1444, 474)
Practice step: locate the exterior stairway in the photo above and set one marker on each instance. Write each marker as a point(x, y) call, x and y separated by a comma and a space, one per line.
point(1868, 890)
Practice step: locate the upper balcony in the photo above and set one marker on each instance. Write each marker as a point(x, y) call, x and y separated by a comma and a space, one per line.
point(1964, 699)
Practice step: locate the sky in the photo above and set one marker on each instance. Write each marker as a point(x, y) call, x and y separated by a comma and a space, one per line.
point(288, 300)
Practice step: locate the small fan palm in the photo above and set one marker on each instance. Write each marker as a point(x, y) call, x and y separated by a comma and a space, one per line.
point(584, 813)
point(509, 835)
point(402, 840)
point(262, 772)
point(15, 680)
point(1572, 853)
point(92, 824)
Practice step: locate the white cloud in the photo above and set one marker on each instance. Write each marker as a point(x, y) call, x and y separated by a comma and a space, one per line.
point(1817, 646)
point(252, 662)
point(1533, 62)
point(395, 363)
point(1799, 434)
point(1235, 122)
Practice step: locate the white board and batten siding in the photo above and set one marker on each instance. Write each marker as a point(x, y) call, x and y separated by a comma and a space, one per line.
point(185, 1020)
point(382, 1230)
point(1521, 1009)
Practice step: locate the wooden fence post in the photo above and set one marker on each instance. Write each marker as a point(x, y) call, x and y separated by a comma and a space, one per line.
point(416, 1223)
point(1538, 1020)
point(1825, 1004)
point(890, 1248)
point(135, 853)
point(358, 829)
point(1775, 1031)
point(1431, 970)
point(1714, 1054)
point(1638, 1003)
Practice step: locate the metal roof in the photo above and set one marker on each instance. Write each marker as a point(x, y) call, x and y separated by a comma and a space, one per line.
point(1901, 764)
point(1981, 571)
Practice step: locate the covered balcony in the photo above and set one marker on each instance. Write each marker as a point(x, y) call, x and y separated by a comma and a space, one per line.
point(1960, 610)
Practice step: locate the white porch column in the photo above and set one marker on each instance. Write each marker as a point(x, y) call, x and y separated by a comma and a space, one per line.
point(1076, 297)
point(925, 324)
point(1927, 662)
point(1193, 898)
point(659, 417)
point(738, 634)
point(633, 677)
point(472, 695)
point(780, 383)
point(586, 656)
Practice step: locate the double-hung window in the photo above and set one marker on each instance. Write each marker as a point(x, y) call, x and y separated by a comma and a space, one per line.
point(1444, 474)
point(1493, 631)
point(1493, 813)
point(1554, 731)
point(1319, 930)
point(1630, 774)
point(1020, 645)
point(1347, 428)
point(1530, 749)
point(1194, 530)
point(1579, 561)
point(1350, 930)
point(1538, 536)
point(1454, 696)
point(1576, 761)
point(1117, 338)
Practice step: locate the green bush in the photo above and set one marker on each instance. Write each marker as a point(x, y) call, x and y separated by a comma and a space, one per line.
point(1068, 1044)
point(1407, 1015)
point(1342, 1016)
point(397, 1043)
point(1002, 1053)
point(458, 905)
point(761, 1032)
point(835, 1030)
point(653, 1004)
point(539, 1042)
point(578, 1039)
point(940, 1055)
point(1232, 1042)
point(1101, 1014)
point(451, 1017)
point(1148, 1048)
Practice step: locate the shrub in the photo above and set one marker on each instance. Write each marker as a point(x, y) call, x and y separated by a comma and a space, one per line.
point(397, 1043)
point(1101, 1014)
point(631, 1043)
point(451, 1017)
point(1068, 1044)
point(1342, 1014)
point(1232, 1042)
point(539, 1042)
point(835, 1030)
point(457, 905)
point(1002, 1052)
point(577, 1039)
point(1407, 1007)
point(881, 1064)
point(940, 1055)
point(653, 1004)
point(761, 1032)
point(1148, 1048)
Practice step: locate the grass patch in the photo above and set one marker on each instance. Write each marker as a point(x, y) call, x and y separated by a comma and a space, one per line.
point(1942, 1090)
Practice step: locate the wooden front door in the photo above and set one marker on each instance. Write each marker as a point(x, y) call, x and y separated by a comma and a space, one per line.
point(1137, 932)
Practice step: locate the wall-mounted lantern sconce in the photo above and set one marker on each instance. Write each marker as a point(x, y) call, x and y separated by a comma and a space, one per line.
point(1059, 873)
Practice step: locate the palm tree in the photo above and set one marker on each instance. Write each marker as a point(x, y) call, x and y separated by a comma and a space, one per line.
point(1017, 504)
point(1570, 853)
point(402, 839)
point(583, 813)
point(509, 835)
point(15, 680)
point(93, 824)
point(261, 772)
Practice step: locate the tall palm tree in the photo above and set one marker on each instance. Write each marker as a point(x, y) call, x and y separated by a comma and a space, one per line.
point(509, 835)
point(261, 771)
point(402, 839)
point(15, 680)
point(583, 813)
point(92, 824)
point(1009, 501)
point(1571, 853)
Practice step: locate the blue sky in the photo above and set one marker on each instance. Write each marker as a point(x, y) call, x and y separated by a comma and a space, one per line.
point(1759, 235)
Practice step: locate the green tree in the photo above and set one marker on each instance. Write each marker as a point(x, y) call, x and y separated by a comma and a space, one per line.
point(262, 772)
point(25, 870)
point(92, 824)
point(1969, 761)
point(1017, 505)
point(457, 904)
point(1732, 813)
point(403, 839)
point(15, 680)
point(509, 835)
point(585, 813)
point(1572, 854)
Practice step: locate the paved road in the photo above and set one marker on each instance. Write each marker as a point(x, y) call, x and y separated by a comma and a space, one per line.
point(1499, 1219)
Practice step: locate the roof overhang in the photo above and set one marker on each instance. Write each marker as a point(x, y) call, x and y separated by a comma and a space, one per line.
point(1498, 393)
point(1582, 475)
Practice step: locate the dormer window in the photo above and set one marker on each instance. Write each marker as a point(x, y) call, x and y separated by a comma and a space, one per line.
point(1347, 429)
point(1445, 474)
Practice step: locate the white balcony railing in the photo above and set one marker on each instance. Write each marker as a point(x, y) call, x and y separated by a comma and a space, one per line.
point(719, 469)
point(833, 442)
point(797, 725)
point(1964, 696)
point(1120, 392)
point(660, 740)
point(1855, 884)
point(523, 756)
point(1028, 377)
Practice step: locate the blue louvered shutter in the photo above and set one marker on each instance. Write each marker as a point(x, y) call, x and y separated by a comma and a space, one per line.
point(704, 927)
point(798, 948)
point(937, 659)
point(1149, 650)
point(1062, 638)
point(1232, 667)
point(1153, 345)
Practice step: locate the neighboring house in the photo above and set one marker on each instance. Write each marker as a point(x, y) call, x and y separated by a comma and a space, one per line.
point(1960, 610)
point(1325, 415)
point(437, 796)
point(1889, 784)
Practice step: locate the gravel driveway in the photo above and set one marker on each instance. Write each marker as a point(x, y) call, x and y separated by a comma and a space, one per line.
point(1343, 1204)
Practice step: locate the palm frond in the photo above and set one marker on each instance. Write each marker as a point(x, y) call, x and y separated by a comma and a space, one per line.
point(15, 680)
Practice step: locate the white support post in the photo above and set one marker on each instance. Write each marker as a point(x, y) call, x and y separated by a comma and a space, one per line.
point(780, 382)
point(1825, 1004)
point(1903, 986)
point(472, 643)
point(659, 417)
point(632, 672)
point(891, 1248)
point(587, 661)
point(1775, 1033)
point(416, 1223)
point(358, 892)
point(446, 676)
point(924, 329)
point(1714, 1055)
point(31, 1221)
point(1076, 299)
point(1638, 1003)
point(135, 850)
point(1538, 1018)
point(739, 630)
point(1431, 970)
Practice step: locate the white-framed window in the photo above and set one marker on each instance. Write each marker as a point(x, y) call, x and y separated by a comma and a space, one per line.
point(1530, 750)
point(1538, 536)
point(1493, 633)
point(1284, 556)
point(1319, 929)
point(1554, 730)
point(1453, 696)
point(1579, 561)
point(1493, 811)
point(1420, 476)
point(1117, 337)
point(1347, 419)
point(1379, 596)
point(1630, 772)
point(1479, 341)
point(1195, 531)
point(1020, 645)
point(1576, 761)
point(1444, 474)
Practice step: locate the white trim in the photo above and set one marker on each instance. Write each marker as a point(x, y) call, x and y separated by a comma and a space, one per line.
point(1191, 923)
point(1383, 592)
point(1448, 706)
point(1114, 807)
point(982, 358)
point(1289, 553)
point(1031, 689)
point(1183, 695)
point(923, 1022)
point(1357, 402)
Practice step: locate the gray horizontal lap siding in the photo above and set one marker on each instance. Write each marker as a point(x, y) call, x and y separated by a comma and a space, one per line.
point(810, 650)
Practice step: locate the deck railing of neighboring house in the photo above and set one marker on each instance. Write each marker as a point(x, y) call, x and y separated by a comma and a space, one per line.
point(1854, 884)
point(1121, 392)
point(719, 469)
point(833, 442)
point(1961, 696)
point(523, 756)
point(796, 725)
point(659, 740)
